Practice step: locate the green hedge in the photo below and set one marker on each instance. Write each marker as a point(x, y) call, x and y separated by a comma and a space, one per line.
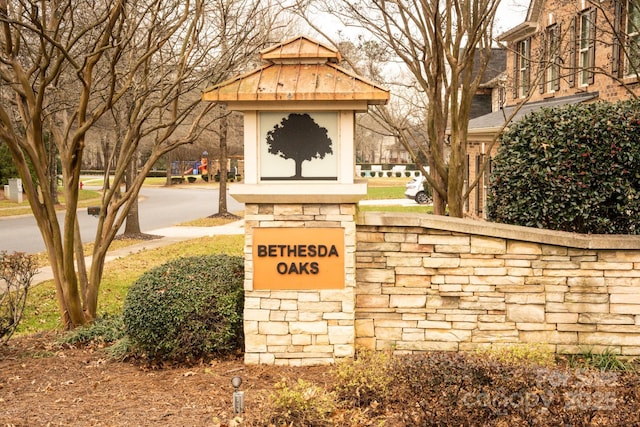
point(187, 308)
point(575, 168)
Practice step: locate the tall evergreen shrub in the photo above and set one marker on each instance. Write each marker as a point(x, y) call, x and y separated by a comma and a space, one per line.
point(574, 168)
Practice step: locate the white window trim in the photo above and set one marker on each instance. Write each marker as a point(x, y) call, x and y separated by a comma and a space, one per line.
point(523, 66)
point(583, 48)
point(633, 35)
point(552, 72)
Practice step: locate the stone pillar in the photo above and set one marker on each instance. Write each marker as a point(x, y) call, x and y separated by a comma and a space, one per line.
point(300, 326)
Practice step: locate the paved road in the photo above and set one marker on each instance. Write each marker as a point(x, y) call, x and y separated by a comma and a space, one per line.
point(159, 207)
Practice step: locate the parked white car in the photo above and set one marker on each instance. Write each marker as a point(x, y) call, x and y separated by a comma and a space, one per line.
point(415, 190)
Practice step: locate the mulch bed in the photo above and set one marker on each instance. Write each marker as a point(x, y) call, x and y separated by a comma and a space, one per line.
point(42, 384)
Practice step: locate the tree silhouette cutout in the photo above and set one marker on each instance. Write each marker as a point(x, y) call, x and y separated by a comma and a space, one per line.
point(300, 138)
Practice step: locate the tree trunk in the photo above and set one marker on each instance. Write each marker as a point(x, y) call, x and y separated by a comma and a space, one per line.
point(106, 167)
point(298, 169)
point(82, 270)
point(94, 280)
point(455, 189)
point(71, 311)
point(169, 173)
point(222, 194)
point(52, 171)
point(439, 202)
point(132, 225)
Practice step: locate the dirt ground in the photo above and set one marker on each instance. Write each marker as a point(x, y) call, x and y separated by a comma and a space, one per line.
point(42, 384)
point(47, 384)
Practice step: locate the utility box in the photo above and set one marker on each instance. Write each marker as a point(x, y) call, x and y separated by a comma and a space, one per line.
point(15, 190)
point(300, 199)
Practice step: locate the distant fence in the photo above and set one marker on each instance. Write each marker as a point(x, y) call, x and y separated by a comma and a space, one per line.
point(391, 171)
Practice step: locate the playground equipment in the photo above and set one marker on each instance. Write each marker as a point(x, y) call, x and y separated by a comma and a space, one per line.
point(182, 171)
point(198, 168)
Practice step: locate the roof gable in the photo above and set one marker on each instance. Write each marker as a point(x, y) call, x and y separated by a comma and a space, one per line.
point(300, 49)
point(526, 28)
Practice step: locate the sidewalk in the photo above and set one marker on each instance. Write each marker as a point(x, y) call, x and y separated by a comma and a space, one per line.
point(389, 202)
point(176, 234)
point(170, 235)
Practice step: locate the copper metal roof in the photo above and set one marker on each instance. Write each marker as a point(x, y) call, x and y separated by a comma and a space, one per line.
point(300, 48)
point(299, 69)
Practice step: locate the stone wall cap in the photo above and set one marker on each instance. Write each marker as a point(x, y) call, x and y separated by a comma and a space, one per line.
point(505, 231)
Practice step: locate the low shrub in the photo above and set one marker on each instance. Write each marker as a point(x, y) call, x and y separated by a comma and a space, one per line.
point(607, 360)
point(187, 308)
point(302, 404)
point(157, 174)
point(363, 380)
point(16, 273)
point(462, 389)
point(470, 389)
point(432, 388)
point(104, 329)
point(122, 350)
point(536, 354)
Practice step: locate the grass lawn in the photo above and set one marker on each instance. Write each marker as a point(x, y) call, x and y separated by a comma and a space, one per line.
point(381, 193)
point(85, 198)
point(41, 312)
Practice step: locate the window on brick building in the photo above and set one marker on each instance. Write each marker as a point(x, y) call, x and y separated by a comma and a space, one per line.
point(632, 58)
point(552, 59)
point(626, 39)
point(586, 46)
point(521, 68)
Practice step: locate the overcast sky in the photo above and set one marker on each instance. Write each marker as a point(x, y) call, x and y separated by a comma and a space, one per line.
point(510, 14)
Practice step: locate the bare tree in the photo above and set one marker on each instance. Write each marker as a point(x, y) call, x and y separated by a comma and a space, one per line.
point(439, 43)
point(227, 138)
point(65, 63)
point(166, 111)
point(44, 48)
point(222, 173)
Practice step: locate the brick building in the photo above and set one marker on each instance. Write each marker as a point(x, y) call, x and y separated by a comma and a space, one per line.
point(565, 52)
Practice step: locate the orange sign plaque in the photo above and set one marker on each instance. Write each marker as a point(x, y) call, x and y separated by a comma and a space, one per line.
point(298, 258)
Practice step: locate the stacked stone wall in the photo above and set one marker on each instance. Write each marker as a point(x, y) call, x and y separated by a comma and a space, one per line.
point(429, 283)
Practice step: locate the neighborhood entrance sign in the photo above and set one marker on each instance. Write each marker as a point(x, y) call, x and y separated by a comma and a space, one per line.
point(298, 258)
point(300, 194)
